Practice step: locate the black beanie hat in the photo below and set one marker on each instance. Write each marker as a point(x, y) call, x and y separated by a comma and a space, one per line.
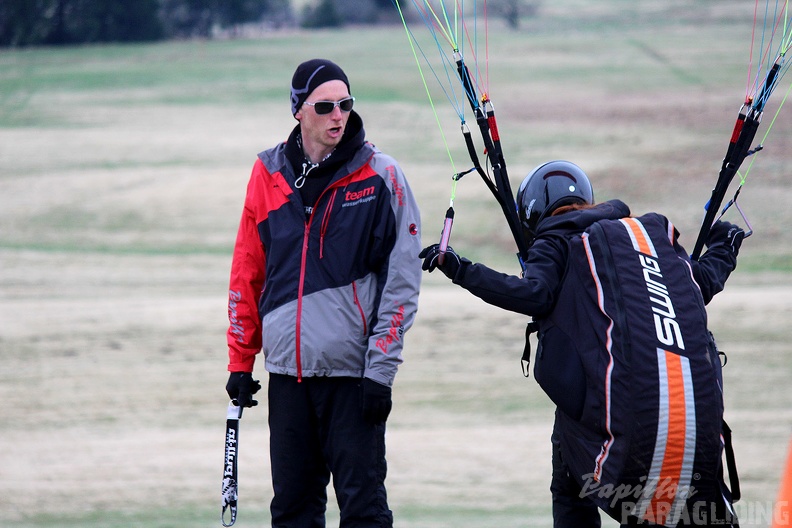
point(311, 74)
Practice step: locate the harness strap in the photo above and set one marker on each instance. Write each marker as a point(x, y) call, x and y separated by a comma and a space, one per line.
point(731, 464)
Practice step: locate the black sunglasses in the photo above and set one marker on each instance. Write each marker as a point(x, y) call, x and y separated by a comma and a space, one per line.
point(325, 107)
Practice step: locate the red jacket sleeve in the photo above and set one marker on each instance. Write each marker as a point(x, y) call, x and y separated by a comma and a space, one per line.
point(245, 286)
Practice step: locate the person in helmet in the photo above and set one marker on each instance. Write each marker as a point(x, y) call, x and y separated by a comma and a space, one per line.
point(548, 187)
point(556, 202)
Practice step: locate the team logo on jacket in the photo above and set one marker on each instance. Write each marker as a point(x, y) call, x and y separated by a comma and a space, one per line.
point(352, 198)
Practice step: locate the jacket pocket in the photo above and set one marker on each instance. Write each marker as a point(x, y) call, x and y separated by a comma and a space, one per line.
point(356, 300)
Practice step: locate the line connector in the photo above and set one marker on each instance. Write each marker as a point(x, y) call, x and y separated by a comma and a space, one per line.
point(458, 175)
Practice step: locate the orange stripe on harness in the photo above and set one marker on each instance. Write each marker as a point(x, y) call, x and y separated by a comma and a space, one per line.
point(670, 472)
point(638, 236)
point(669, 479)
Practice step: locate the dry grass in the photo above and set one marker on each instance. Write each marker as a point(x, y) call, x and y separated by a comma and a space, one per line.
point(122, 171)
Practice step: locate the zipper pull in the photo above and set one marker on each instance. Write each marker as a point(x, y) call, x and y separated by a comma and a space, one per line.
point(307, 167)
point(299, 182)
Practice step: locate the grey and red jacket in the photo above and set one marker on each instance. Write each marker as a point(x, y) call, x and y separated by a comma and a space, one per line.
point(331, 294)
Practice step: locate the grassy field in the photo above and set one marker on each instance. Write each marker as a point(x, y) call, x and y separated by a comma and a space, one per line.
point(122, 174)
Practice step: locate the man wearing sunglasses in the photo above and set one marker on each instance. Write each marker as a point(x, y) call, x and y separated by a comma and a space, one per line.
point(324, 281)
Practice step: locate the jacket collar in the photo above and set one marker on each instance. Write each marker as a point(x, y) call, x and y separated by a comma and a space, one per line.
point(579, 220)
point(353, 138)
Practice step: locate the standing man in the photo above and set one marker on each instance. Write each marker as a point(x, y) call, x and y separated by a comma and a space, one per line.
point(325, 282)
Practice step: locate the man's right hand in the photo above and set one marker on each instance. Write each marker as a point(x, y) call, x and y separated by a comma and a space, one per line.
point(241, 387)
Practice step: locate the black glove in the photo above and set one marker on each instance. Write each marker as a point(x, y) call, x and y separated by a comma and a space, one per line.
point(451, 262)
point(377, 402)
point(241, 387)
point(728, 234)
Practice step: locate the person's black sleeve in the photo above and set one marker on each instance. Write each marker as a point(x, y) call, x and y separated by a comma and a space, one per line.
point(714, 267)
point(532, 295)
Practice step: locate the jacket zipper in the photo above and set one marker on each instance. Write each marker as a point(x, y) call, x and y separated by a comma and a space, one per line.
point(303, 260)
point(300, 289)
point(325, 222)
point(301, 286)
point(360, 308)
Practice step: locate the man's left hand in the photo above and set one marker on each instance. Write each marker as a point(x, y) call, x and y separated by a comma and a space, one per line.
point(377, 401)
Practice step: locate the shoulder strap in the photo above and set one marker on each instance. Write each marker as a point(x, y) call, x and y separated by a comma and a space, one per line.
point(731, 464)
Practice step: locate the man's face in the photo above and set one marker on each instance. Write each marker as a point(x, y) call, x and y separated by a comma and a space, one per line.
point(321, 133)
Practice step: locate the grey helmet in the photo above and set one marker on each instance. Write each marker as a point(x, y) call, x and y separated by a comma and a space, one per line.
point(548, 187)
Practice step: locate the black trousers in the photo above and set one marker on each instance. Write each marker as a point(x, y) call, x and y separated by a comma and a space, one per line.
point(570, 510)
point(317, 430)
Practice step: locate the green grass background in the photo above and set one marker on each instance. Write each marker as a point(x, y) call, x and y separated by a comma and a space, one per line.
point(122, 174)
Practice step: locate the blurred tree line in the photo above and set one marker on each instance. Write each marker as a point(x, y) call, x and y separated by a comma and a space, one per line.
point(63, 22)
point(56, 22)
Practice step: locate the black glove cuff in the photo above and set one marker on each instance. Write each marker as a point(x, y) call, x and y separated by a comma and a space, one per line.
point(459, 277)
